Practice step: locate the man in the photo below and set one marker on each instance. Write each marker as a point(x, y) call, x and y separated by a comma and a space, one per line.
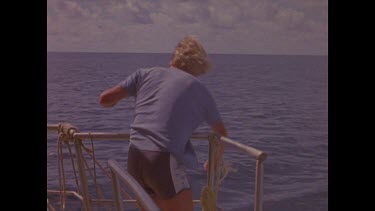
point(170, 103)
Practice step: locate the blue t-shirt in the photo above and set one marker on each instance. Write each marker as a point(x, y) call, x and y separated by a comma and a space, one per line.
point(169, 105)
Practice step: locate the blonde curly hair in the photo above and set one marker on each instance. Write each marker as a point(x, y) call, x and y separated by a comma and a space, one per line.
point(190, 56)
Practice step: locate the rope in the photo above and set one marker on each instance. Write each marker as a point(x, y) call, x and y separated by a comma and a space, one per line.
point(89, 152)
point(207, 199)
point(93, 160)
point(208, 196)
point(74, 168)
point(61, 171)
point(91, 174)
point(93, 154)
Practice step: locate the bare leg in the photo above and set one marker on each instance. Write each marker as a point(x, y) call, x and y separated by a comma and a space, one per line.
point(183, 201)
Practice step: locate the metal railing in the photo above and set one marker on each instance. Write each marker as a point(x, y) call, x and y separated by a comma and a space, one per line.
point(140, 194)
point(72, 134)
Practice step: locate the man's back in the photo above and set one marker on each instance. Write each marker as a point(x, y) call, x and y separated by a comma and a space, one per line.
point(170, 105)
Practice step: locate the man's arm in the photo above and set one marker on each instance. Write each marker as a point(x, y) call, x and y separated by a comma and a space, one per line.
point(111, 96)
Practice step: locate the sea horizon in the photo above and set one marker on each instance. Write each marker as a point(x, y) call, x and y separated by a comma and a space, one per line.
point(239, 54)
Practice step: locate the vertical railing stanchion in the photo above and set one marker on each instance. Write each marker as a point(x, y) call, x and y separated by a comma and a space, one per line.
point(211, 157)
point(82, 176)
point(258, 197)
point(116, 192)
point(211, 163)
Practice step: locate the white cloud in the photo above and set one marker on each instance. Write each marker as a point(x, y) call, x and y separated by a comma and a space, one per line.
point(224, 15)
point(243, 26)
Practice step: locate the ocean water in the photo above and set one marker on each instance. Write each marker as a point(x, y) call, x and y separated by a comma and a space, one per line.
point(278, 104)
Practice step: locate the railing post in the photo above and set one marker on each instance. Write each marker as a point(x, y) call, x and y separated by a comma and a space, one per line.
point(116, 192)
point(211, 163)
point(82, 176)
point(258, 204)
point(212, 142)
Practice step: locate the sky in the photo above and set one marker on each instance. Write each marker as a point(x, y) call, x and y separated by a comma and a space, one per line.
point(281, 27)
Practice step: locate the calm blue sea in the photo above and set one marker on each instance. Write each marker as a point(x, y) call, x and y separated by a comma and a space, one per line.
point(278, 104)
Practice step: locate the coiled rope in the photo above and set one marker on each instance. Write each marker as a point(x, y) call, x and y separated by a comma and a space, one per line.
point(64, 139)
point(208, 196)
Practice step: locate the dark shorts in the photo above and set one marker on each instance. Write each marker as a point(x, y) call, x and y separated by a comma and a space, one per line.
point(157, 172)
